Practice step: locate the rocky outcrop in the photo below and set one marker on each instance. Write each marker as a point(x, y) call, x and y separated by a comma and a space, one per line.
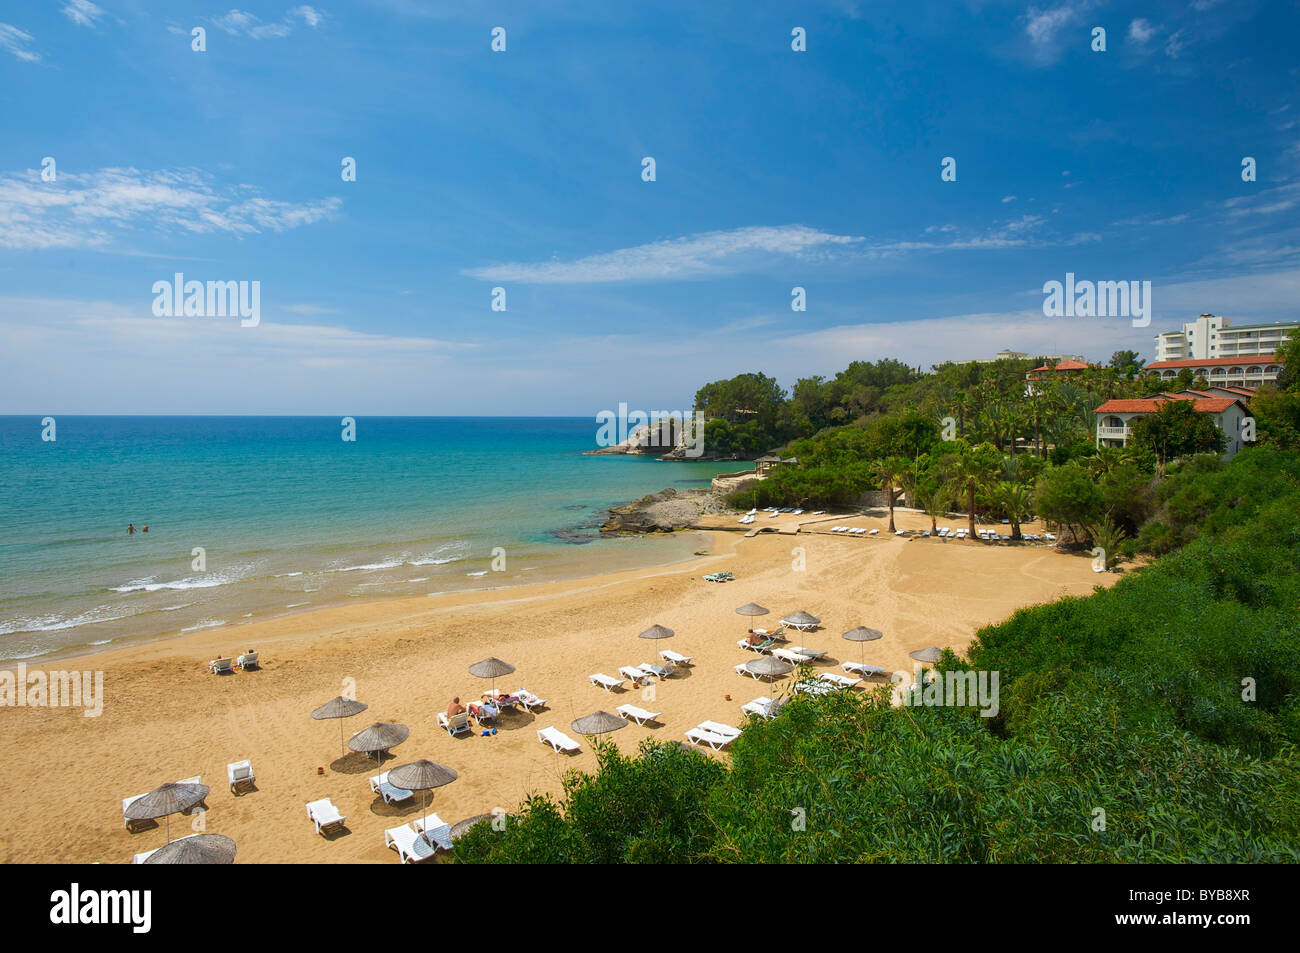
point(657, 438)
point(662, 512)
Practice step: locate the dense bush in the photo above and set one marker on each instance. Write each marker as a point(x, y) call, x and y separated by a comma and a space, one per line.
point(1167, 706)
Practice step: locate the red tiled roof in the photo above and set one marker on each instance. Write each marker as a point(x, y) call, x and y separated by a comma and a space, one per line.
point(1216, 362)
point(1065, 365)
point(1149, 405)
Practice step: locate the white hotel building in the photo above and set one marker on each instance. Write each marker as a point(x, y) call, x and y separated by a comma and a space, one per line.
point(1212, 337)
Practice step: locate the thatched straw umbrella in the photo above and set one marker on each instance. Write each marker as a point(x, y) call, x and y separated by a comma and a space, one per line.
point(769, 667)
point(802, 621)
point(199, 849)
point(491, 668)
point(862, 635)
point(166, 800)
point(422, 775)
point(929, 655)
point(752, 609)
point(597, 723)
point(461, 828)
point(378, 738)
point(657, 632)
point(340, 708)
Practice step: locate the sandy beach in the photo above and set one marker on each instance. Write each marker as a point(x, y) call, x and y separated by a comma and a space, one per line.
point(165, 718)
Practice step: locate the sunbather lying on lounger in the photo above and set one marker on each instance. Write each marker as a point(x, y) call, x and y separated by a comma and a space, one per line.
point(485, 710)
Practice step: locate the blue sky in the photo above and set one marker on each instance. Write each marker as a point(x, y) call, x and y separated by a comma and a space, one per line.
point(522, 169)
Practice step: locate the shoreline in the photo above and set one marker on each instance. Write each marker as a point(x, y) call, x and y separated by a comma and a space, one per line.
point(138, 642)
point(164, 716)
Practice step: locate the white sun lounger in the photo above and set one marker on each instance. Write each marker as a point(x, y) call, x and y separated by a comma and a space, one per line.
point(668, 655)
point(324, 815)
point(438, 829)
point(814, 687)
point(657, 671)
point(843, 681)
point(239, 772)
point(639, 715)
point(605, 681)
point(529, 700)
point(863, 669)
point(764, 707)
point(634, 674)
point(718, 728)
point(247, 661)
point(873, 532)
point(405, 840)
point(702, 736)
point(557, 739)
point(796, 658)
point(456, 723)
point(390, 793)
point(741, 670)
point(741, 643)
point(221, 666)
point(900, 532)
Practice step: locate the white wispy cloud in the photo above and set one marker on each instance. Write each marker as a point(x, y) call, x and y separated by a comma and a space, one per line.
point(238, 22)
point(1175, 46)
point(18, 42)
point(1265, 202)
point(1045, 27)
point(1140, 31)
point(87, 210)
point(708, 254)
point(82, 12)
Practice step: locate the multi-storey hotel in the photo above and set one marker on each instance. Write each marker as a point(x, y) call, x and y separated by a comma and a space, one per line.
point(1213, 337)
point(1223, 371)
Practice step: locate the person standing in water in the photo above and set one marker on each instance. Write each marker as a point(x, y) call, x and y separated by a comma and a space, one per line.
point(130, 529)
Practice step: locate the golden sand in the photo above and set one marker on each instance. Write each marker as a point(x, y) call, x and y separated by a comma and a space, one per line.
point(165, 718)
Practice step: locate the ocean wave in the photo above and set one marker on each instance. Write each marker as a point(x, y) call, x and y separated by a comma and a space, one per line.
point(55, 623)
point(434, 561)
point(206, 581)
point(483, 573)
point(205, 624)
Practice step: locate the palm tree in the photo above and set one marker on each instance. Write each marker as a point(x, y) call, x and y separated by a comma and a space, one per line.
point(889, 471)
point(969, 474)
point(1107, 537)
point(961, 405)
point(935, 500)
point(1016, 500)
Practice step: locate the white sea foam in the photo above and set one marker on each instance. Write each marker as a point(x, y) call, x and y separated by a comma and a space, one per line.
point(206, 581)
point(55, 623)
point(205, 624)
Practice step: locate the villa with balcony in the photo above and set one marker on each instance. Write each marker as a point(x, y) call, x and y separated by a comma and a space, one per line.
point(1115, 417)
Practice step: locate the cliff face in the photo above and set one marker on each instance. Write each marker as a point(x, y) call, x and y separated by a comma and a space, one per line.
point(662, 512)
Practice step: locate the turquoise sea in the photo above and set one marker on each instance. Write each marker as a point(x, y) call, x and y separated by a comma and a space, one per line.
point(290, 517)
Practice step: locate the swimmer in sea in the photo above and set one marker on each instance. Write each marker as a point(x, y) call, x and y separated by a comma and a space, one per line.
point(130, 529)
